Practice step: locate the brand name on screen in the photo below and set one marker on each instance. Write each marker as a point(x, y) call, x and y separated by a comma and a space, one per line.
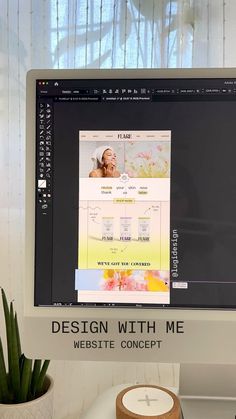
point(124, 136)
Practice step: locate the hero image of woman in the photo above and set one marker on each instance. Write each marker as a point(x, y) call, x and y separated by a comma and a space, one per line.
point(104, 162)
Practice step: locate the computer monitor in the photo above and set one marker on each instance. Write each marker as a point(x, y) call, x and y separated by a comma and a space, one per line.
point(131, 215)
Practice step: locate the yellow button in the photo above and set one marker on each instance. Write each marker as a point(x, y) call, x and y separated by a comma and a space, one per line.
point(124, 201)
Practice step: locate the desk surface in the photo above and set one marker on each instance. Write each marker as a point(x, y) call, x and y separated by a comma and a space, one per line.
point(192, 407)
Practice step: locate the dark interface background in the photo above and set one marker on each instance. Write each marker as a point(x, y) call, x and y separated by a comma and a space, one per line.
point(201, 117)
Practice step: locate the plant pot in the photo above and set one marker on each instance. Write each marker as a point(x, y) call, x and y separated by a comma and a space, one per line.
point(40, 408)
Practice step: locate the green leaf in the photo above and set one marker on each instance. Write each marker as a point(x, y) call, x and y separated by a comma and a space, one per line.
point(21, 362)
point(7, 324)
point(35, 375)
point(14, 367)
point(4, 393)
point(25, 380)
point(40, 383)
point(18, 336)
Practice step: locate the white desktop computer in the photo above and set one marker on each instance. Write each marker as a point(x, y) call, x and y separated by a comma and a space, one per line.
point(131, 215)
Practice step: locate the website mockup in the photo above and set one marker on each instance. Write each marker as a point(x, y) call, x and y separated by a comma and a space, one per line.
point(124, 217)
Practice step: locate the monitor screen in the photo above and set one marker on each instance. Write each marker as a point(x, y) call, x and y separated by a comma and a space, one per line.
point(134, 190)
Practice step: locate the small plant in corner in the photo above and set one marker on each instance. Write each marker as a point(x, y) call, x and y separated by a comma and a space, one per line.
point(21, 379)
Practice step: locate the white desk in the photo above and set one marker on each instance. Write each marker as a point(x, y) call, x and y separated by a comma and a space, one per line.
point(192, 407)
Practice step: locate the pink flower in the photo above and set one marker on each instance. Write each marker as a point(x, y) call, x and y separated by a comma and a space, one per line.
point(145, 155)
point(141, 286)
point(110, 284)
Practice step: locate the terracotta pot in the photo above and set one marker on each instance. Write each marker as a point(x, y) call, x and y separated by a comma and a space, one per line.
point(40, 408)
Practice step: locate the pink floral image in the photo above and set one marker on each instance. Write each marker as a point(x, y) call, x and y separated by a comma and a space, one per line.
point(122, 280)
point(153, 162)
point(145, 155)
point(131, 280)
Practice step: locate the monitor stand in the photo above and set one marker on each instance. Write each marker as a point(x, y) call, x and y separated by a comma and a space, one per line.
point(208, 391)
point(208, 380)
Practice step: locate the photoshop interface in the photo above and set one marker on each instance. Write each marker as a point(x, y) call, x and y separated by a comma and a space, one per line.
point(135, 193)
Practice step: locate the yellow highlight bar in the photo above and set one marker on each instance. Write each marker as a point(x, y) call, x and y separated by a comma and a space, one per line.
point(124, 201)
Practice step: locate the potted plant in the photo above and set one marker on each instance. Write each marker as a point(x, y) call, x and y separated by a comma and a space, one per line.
point(25, 389)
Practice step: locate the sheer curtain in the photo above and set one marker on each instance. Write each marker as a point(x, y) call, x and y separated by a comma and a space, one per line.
point(117, 34)
point(72, 34)
point(90, 34)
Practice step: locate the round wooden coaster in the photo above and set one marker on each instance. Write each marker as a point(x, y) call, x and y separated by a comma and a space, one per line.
point(147, 402)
